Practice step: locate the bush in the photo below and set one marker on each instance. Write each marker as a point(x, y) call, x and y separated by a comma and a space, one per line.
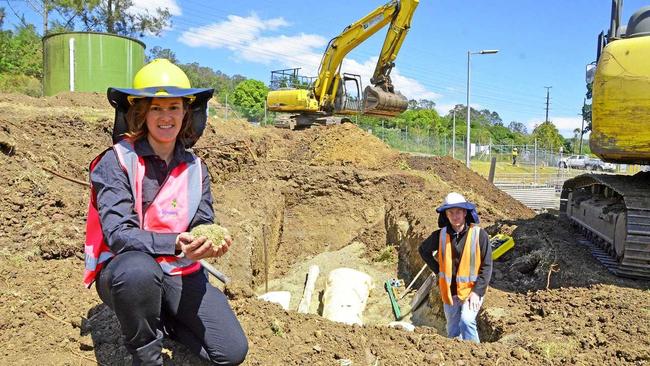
point(20, 84)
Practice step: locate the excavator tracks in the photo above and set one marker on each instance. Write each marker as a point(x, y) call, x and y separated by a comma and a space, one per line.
point(614, 213)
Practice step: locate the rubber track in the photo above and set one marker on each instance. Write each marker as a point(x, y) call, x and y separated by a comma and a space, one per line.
point(635, 191)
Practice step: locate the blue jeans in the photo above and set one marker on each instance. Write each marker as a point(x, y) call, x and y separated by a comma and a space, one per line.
point(461, 321)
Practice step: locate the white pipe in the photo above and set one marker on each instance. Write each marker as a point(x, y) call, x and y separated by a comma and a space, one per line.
point(72, 61)
point(312, 276)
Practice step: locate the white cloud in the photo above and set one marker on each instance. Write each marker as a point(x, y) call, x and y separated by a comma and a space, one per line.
point(144, 6)
point(235, 33)
point(411, 88)
point(287, 51)
point(444, 108)
point(565, 125)
point(246, 38)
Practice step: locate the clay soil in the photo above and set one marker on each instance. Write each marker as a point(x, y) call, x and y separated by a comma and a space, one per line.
point(332, 196)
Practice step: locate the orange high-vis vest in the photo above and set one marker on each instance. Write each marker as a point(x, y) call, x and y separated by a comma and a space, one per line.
point(468, 267)
point(170, 212)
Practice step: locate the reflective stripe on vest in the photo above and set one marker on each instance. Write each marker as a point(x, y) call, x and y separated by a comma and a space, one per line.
point(468, 266)
point(96, 252)
point(171, 211)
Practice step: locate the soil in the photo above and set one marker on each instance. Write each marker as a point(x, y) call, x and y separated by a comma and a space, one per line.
point(331, 196)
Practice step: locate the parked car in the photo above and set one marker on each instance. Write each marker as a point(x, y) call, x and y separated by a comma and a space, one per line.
point(597, 164)
point(574, 161)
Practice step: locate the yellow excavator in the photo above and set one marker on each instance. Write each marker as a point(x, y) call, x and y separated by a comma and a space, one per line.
point(614, 210)
point(320, 99)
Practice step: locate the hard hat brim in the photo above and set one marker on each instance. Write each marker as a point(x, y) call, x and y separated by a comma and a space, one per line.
point(121, 100)
point(123, 97)
point(466, 205)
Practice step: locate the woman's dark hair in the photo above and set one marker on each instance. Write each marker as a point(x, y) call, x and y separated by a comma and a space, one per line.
point(137, 123)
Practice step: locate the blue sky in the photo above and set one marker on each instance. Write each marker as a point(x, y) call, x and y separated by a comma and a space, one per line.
point(540, 43)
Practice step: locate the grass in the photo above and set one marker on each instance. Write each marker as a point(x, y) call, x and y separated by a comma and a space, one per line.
point(503, 167)
point(276, 328)
point(387, 255)
point(556, 349)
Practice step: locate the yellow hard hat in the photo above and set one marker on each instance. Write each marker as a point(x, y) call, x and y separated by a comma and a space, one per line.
point(160, 72)
point(158, 79)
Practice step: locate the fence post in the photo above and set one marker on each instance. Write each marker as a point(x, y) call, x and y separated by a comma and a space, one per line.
point(493, 164)
point(535, 181)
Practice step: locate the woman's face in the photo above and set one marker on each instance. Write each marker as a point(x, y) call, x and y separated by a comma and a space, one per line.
point(165, 119)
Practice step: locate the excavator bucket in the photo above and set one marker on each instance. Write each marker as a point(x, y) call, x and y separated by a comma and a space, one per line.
point(382, 103)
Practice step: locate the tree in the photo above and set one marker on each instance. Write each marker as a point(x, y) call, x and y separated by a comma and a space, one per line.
point(249, 97)
point(20, 52)
point(111, 16)
point(586, 115)
point(548, 136)
point(518, 127)
point(159, 52)
point(2, 17)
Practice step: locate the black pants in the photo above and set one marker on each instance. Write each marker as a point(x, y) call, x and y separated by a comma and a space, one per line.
point(145, 300)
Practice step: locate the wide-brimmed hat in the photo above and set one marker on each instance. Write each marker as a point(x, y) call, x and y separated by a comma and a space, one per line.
point(160, 79)
point(456, 200)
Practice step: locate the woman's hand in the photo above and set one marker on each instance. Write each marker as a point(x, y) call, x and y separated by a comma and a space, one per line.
point(200, 247)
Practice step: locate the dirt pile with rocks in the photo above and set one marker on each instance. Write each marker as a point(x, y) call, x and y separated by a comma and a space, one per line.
point(289, 198)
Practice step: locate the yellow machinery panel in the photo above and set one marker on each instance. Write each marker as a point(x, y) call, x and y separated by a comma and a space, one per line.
point(291, 100)
point(501, 243)
point(621, 102)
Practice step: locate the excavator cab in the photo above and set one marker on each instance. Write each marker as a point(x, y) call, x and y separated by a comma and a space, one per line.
point(348, 97)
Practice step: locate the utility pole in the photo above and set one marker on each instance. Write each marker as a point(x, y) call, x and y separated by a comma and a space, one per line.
point(453, 139)
point(547, 100)
point(582, 129)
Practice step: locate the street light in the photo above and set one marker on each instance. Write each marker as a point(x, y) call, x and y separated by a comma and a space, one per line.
point(469, 53)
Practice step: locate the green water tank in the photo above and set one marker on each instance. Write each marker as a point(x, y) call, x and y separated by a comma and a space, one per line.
point(89, 62)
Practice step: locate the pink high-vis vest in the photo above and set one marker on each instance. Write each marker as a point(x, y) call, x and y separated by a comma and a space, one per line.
point(170, 212)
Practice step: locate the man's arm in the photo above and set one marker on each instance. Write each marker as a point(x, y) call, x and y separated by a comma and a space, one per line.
point(426, 252)
point(485, 270)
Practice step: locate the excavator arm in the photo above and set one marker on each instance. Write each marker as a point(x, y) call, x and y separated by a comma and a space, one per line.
point(398, 14)
point(324, 97)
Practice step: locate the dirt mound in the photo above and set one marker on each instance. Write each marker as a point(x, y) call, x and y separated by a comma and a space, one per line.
point(329, 195)
point(346, 144)
point(61, 100)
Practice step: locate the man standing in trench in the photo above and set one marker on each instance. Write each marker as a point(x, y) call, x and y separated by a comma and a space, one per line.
point(463, 263)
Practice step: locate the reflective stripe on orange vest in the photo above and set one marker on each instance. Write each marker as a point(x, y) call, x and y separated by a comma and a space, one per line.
point(170, 212)
point(468, 266)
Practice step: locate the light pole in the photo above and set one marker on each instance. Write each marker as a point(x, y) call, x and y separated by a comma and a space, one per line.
point(467, 145)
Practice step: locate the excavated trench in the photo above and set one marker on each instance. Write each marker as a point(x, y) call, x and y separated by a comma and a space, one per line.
point(335, 219)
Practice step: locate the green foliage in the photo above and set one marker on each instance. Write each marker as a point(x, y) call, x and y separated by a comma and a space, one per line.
point(10, 83)
point(249, 97)
point(21, 52)
point(111, 16)
point(159, 52)
point(388, 254)
point(548, 136)
point(586, 115)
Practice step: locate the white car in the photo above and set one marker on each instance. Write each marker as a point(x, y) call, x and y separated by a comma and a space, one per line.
point(574, 161)
point(597, 164)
